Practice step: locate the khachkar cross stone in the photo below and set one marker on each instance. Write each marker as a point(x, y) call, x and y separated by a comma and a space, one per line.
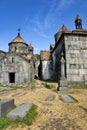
point(63, 81)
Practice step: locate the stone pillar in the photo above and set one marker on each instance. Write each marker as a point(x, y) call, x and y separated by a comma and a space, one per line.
point(63, 81)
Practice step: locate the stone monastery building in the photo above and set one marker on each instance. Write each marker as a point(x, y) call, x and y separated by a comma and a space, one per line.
point(18, 65)
point(65, 61)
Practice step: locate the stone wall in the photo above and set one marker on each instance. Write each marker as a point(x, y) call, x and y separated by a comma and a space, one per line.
point(2, 54)
point(56, 55)
point(17, 65)
point(18, 48)
point(46, 70)
point(76, 59)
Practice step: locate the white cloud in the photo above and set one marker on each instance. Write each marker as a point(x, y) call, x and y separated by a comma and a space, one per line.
point(39, 27)
point(55, 9)
point(65, 3)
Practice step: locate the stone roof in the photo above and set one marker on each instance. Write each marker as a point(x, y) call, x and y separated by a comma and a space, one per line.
point(18, 39)
point(80, 31)
point(64, 29)
point(45, 55)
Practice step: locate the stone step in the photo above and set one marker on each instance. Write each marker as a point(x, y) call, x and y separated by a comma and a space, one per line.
point(67, 98)
point(5, 106)
point(19, 112)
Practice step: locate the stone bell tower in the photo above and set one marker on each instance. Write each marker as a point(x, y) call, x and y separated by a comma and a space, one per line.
point(78, 22)
point(30, 49)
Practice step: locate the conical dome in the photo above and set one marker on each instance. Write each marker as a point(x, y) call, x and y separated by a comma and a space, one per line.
point(18, 45)
point(18, 39)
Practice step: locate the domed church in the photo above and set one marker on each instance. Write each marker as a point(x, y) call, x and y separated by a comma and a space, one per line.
point(17, 65)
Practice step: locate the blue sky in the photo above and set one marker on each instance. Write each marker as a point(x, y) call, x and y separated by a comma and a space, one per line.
point(39, 20)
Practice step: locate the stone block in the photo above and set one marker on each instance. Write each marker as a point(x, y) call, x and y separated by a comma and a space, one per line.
point(75, 78)
point(19, 112)
point(63, 85)
point(81, 71)
point(5, 106)
point(72, 71)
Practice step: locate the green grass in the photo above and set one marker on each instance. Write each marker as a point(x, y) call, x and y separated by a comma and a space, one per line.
point(19, 86)
point(31, 115)
point(28, 120)
point(48, 85)
point(32, 83)
point(50, 80)
point(4, 122)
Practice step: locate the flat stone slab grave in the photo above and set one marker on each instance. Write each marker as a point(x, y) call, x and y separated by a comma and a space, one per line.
point(19, 112)
point(67, 98)
point(50, 98)
point(5, 106)
point(6, 93)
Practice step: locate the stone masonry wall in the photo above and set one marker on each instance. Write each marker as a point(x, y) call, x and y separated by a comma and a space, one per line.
point(76, 59)
point(14, 64)
point(18, 48)
point(56, 59)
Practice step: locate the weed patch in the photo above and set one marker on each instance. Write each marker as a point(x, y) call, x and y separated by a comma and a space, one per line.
point(4, 122)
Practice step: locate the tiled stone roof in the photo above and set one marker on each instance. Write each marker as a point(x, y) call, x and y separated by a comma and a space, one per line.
point(45, 55)
point(18, 39)
point(64, 29)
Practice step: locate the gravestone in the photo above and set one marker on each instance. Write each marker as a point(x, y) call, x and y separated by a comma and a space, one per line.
point(5, 106)
point(19, 112)
point(67, 98)
point(50, 98)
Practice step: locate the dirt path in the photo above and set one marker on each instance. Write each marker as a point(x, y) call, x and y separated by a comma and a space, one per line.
point(53, 115)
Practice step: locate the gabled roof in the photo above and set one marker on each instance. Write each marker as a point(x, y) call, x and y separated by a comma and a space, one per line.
point(45, 55)
point(64, 29)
